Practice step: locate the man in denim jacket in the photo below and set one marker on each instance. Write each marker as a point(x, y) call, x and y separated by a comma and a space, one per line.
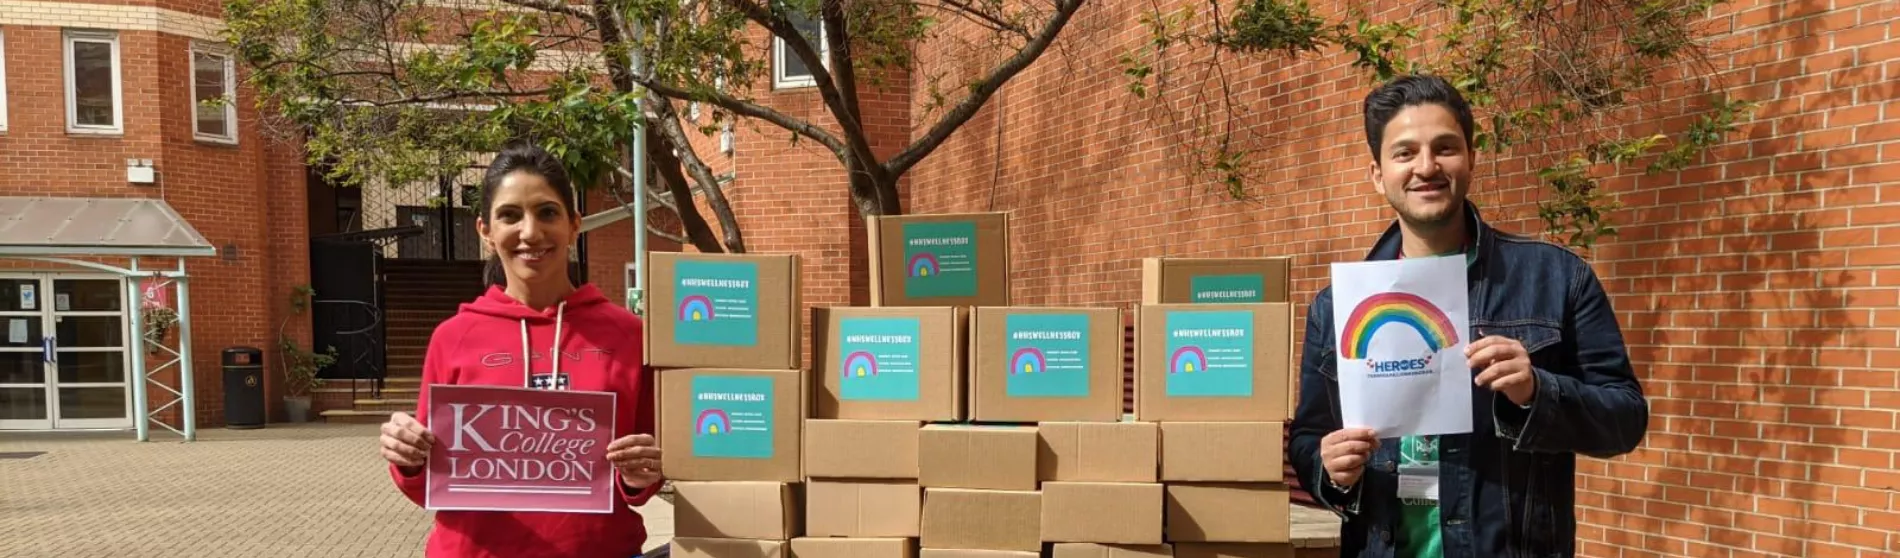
point(1550, 375)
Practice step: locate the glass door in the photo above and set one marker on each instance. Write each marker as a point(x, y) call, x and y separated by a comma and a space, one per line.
point(70, 370)
point(24, 358)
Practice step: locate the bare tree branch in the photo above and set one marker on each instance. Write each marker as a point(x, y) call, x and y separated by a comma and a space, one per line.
point(744, 108)
point(553, 6)
point(855, 140)
point(983, 90)
point(669, 128)
point(980, 17)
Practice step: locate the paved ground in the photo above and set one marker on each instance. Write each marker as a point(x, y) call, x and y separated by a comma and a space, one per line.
point(304, 490)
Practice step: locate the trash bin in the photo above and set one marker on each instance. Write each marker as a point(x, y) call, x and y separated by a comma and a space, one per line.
point(243, 388)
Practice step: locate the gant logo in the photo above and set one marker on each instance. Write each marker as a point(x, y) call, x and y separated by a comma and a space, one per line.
point(499, 359)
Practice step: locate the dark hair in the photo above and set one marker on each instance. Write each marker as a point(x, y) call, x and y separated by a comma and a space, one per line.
point(521, 156)
point(1412, 90)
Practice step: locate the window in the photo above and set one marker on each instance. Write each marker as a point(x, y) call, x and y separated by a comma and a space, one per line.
point(3, 83)
point(213, 79)
point(93, 97)
point(788, 70)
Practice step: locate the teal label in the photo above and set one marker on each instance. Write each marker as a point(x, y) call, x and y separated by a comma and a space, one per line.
point(939, 259)
point(879, 359)
point(732, 417)
point(1240, 288)
point(1210, 354)
point(1048, 355)
point(718, 303)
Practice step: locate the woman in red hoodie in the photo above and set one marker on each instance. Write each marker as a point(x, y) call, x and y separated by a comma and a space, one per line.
point(535, 330)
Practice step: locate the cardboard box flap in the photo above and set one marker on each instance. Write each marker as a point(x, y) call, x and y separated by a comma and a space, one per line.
point(735, 510)
point(969, 553)
point(691, 547)
point(1098, 550)
point(1228, 513)
point(977, 457)
point(1234, 550)
point(1223, 451)
point(1125, 513)
point(1098, 451)
point(861, 449)
point(862, 509)
point(982, 519)
point(834, 547)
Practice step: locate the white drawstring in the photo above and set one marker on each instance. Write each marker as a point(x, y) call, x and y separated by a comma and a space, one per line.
point(527, 369)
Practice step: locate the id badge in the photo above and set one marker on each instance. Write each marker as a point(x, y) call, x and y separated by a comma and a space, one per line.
point(1418, 483)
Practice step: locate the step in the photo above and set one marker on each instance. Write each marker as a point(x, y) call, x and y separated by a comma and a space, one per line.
point(390, 391)
point(385, 405)
point(348, 416)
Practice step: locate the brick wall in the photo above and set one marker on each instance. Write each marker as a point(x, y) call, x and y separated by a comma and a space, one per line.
point(1756, 288)
point(249, 196)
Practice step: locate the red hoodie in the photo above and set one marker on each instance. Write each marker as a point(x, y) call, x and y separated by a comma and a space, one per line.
point(600, 344)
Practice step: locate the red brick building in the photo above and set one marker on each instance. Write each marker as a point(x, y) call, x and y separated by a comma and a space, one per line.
point(1757, 288)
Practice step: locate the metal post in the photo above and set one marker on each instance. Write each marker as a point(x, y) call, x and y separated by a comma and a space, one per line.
point(637, 295)
point(135, 311)
point(184, 352)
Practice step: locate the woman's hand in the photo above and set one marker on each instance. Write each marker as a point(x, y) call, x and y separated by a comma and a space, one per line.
point(406, 443)
point(637, 459)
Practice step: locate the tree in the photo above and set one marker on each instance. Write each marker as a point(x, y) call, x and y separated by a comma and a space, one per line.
point(1537, 73)
point(396, 91)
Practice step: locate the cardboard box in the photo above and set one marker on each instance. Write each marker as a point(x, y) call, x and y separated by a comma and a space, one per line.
point(982, 519)
point(861, 449)
point(967, 553)
point(735, 510)
point(1214, 362)
point(1097, 451)
point(862, 509)
point(1228, 513)
point(723, 311)
point(1096, 550)
point(690, 547)
point(1046, 364)
point(1234, 550)
point(1101, 512)
point(1215, 280)
point(833, 547)
point(732, 425)
point(1223, 451)
point(977, 457)
point(890, 363)
point(939, 260)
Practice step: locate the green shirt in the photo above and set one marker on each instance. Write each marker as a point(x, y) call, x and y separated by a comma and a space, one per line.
point(1419, 533)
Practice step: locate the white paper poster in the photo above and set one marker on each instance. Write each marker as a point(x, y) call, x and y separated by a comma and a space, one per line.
point(29, 300)
point(16, 331)
point(1401, 326)
point(62, 302)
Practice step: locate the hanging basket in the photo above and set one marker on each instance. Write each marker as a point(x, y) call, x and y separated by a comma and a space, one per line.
point(159, 323)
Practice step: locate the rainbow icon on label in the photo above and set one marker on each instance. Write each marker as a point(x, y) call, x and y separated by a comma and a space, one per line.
point(1187, 360)
point(860, 364)
point(923, 264)
point(1380, 310)
point(1027, 360)
point(695, 308)
point(713, 422)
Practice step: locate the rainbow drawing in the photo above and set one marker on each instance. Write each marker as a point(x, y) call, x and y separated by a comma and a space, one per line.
point(1027, 360)
point(924, 264)
point(1380, 310)
point(695, 308)
point(1187, 360)
point(860, 364)
point(713, 422)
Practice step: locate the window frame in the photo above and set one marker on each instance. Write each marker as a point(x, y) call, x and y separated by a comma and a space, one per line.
point(779, 54)
point(230, 91)
point(3, 81)
point(68, 39)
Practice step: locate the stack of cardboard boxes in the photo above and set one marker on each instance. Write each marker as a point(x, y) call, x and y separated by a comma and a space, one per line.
point(1213, 362)
point(723, 331)
point(946, 423)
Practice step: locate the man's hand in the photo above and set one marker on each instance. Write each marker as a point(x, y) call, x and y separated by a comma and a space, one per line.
point(1505, 366)
point(1345, 452)
point(637, 458)
point(406, 443)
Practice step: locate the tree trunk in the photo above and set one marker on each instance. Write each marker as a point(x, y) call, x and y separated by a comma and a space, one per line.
point(660, 155)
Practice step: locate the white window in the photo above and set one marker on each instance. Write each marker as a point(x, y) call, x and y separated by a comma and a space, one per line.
point(788, 70)
point(213, 79)
point(725, 138)
point(94, 101)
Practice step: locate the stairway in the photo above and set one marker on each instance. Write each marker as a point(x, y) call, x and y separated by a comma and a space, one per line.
point(418, 295)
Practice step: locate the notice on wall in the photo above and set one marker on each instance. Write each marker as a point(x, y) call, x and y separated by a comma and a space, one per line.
point(1401, 356)
point(514, 449)
point(16, 331)
point(29, 298)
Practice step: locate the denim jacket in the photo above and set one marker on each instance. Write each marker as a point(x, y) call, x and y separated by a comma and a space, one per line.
point(1506, 490)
